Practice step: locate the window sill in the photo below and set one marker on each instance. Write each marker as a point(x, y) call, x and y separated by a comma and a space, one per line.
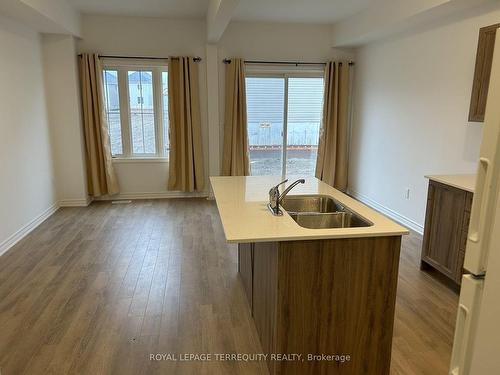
point(141, 160)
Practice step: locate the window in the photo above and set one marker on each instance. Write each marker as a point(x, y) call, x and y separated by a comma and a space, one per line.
point(112, 108)
point(284, 117)
point(265, 118)
point(164, 95)
point(136, 106)
point(305, 108)
point(142, 121)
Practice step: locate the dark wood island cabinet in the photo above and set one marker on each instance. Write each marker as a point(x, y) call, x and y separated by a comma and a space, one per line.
point(320, 279)
point(323, 297)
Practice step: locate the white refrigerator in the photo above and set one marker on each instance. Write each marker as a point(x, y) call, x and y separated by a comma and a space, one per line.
point(476, 347)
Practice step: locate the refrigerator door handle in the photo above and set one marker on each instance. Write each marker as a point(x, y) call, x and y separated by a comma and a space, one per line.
point(475, 261)
point(477, 219)
point(461, 337)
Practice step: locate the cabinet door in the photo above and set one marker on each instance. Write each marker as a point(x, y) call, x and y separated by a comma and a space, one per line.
point(443, 228)
point(482, 72)
point(245, 268)
point(265, 284)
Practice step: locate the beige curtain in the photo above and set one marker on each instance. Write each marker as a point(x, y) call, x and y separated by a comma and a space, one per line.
point(101, 178)
point(235, 155)
point(186, 157)
point(331, 166)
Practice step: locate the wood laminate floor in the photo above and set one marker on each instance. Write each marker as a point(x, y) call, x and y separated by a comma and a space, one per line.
point(97, 290)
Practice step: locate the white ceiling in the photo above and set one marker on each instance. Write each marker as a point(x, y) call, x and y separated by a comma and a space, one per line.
point(305, 11)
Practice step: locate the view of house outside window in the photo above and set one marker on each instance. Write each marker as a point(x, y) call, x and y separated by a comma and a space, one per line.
point(142, 119)
point(139, 116)
point(112, 107)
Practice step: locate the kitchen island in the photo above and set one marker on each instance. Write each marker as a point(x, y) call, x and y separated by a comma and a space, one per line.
point(326, 295)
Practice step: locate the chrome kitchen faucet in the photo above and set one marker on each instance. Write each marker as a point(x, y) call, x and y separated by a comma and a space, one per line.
point(275, 198)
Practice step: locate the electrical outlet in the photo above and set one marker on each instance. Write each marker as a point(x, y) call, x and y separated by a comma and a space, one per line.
point(407, 193)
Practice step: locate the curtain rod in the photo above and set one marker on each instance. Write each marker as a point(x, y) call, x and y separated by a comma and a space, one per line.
point(228, 61)
point(195, 59)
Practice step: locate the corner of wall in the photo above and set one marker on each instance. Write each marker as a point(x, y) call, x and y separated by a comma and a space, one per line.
point(65, 119)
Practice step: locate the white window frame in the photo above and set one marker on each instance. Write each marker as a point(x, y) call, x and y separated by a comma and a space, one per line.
point(157, 67)
point(260, 71)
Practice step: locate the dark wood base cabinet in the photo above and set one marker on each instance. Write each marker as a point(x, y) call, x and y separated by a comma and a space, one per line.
point(323, 298)
point(446, 226)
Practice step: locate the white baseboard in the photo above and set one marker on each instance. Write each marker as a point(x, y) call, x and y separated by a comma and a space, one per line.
point(25, 230)
point(154, 195)
point(403, 220)
point(75, 202)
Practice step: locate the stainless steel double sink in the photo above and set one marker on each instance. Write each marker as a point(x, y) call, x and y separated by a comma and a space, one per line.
point(321, 212)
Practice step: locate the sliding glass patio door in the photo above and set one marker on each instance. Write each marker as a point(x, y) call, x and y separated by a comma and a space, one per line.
point(266, 124)
point(284, 116)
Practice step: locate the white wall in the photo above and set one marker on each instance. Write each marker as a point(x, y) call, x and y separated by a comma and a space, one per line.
point(411, 106)
point(158, 37)
point(63, 105)
point(277, 41)
point(27, 186)
point(44, 16)
point(59, 12)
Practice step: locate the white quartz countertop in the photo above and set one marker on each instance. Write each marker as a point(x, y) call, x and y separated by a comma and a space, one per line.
point(242, 204)
point(462, 181)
